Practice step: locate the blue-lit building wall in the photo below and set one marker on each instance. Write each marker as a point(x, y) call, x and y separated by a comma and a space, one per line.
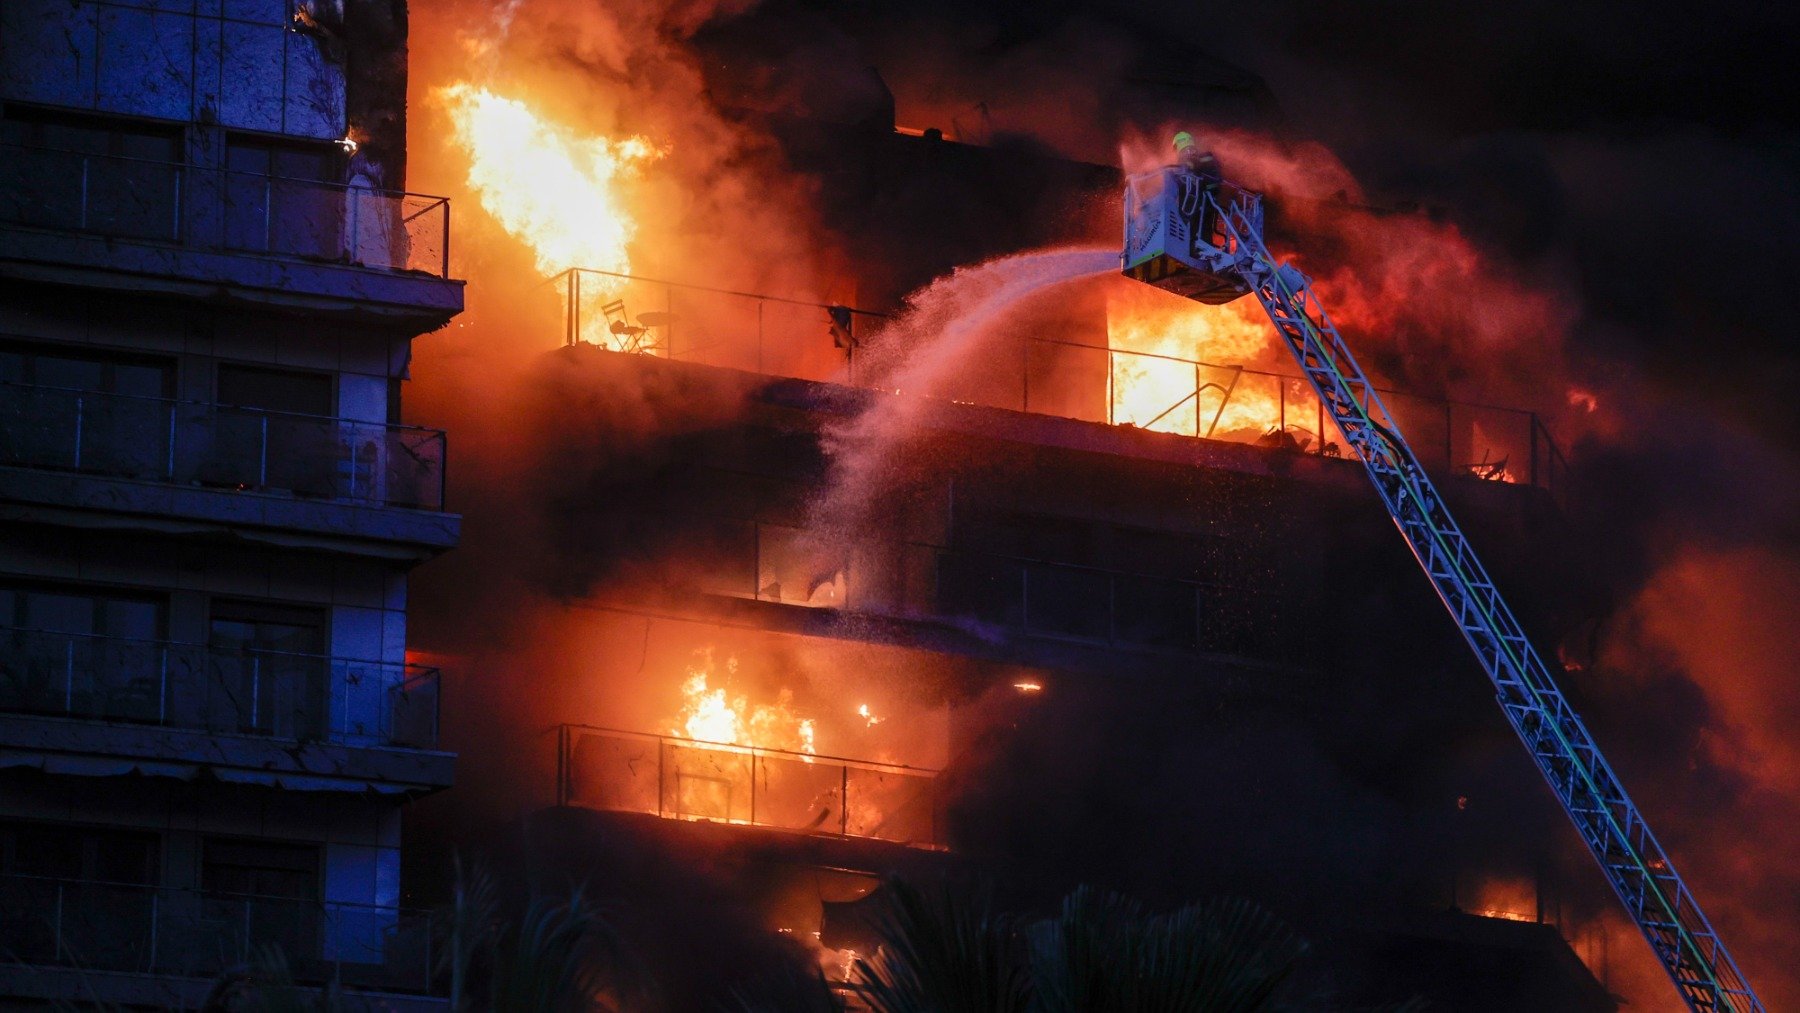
point(209, 502)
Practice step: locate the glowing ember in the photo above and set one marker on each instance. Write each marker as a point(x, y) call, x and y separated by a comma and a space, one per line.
point(556, 188)
point(869, 719)
point(1028, 686)
point(708, 714)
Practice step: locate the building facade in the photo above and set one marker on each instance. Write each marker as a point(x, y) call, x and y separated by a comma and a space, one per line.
point(210, 278)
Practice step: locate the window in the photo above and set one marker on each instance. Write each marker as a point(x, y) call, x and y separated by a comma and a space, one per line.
point(276, 451)
point(81, 611)
point(80, 892)
point(284, 196)
point(260, 869)
point(81, 423)
point(101, 372)
point(270, 678)
point(275, 390)
point(110, 175)
point(85, 651)
point(93, 854)
point(268, 890)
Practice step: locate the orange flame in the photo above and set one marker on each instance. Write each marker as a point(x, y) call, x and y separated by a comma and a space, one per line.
point(709, 715)
point(557, 189)
point(1171, 366)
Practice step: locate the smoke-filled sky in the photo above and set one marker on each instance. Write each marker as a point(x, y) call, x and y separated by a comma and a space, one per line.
point(1625, 179)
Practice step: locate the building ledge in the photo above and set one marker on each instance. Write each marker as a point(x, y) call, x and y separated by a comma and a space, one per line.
point(91, 501)
point(315, 287)
point(110, 749)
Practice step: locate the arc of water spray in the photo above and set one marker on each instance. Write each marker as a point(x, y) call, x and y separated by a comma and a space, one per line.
point(944, 324)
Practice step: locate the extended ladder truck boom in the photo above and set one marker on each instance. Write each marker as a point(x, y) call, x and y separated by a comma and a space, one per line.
point(1202, 239)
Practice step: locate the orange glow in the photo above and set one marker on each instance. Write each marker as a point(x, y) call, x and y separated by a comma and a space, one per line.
point(708, 714)
point(557, 189)
point(1514, 900)
point(868, 716)
point(1028, 686)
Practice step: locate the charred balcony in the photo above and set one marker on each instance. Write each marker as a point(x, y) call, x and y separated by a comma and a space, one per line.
point(217, 467)
point(111, 222)
point(1041, 372)
point(251, 716)
point(685, 779)
point(130, 945)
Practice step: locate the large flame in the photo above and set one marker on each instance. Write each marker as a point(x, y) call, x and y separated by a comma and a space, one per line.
point(708, 714)
point(558, 189)
point(1171, 366)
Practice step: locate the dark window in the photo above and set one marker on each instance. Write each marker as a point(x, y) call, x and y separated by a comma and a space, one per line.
point(99, 418)
point(82, 611)
point(84, 651)
point(266, 890)
point(268, 676)
point(987, 588)
point(84, 853)
point(77, 892)
point(276, 451)
point(260, 869)
point(103, 372)
point(1068, 601)
point(1156, 613)
point(275, 390)
point(284, 197)
point(100, 174)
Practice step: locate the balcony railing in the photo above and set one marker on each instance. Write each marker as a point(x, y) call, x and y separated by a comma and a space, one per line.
point(291, 697)
point(195, 443)
point(97, 926)
point(222, 210)
point(1047, 376)
point(678, 778)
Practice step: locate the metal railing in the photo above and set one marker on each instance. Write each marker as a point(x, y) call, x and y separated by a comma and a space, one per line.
point(225, 210)
point(680, 778)
point(196, 443)
point(1278, 410)
point(268, 694)
point(99, 926)
point(1046, 376)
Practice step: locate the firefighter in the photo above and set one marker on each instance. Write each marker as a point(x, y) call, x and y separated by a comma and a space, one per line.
point(1195, 159)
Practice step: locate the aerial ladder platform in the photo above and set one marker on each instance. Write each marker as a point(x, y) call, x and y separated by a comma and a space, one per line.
point(1202, 238)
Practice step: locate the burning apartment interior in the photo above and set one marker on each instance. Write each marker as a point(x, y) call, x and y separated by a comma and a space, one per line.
point(833, 509)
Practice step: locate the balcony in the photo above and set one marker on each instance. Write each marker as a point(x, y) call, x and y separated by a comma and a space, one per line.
point(97, 928)
point(251, 716)
point(1048, 375)
point(111, 222)
point(685, 779)
point(231, 466)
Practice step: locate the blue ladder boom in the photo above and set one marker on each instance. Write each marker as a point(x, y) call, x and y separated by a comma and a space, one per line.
point(1204, 240)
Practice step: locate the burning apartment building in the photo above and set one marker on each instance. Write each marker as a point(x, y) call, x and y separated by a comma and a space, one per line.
point(210, 280)
point(835, 510)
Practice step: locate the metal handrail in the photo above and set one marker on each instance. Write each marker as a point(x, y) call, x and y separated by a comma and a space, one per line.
point(192, 211)
point(190, 442)
point(147, 928)
point(803, 811)
point(175, 689)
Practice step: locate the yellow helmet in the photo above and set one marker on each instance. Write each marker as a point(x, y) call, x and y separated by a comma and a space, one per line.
point(1184, 141)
